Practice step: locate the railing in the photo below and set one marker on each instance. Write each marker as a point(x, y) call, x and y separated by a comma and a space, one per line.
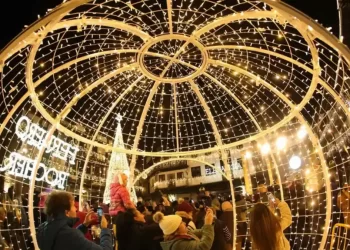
point(340, 239)
point(189, 181)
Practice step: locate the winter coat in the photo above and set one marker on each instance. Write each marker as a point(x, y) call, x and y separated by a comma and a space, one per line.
point(134, 235)
point(190, 241)
point(222, 235)
point(285, 221)
point(200, 218)
point(81, 216)
point(120, 199)
point(227, 218)
point(186, 217)
point(58, 234)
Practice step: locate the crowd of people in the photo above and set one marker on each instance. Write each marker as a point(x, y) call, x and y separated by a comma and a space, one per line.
point(184, 224)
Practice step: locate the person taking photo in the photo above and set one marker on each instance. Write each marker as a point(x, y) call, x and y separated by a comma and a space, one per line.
point(58, 233)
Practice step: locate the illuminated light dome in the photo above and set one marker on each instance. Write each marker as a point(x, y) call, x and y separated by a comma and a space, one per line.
point(190, 79)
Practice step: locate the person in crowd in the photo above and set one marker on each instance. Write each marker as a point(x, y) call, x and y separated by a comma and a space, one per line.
point(262, 194)
point(134, 234)
point(200, 215)
point(147, 214)
point(195, 206)
point(227, 218)
point(57, 233)
point(222, 235)
point(207, 199)
point(215, 203)
point(176, 236)
point(81, 217)
point(17, 219)
point(3, 244)
point(343, 203)
point(86, 207)
point(120, 197)
point(185, 211)
point(266, 229)
point(174, 205)
point(164, 206)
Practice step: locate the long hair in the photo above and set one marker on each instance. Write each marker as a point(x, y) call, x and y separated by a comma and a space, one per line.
point(264, 228)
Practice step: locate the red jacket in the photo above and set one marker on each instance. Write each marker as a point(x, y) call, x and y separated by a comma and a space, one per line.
point(120, 199)
point(81, 216)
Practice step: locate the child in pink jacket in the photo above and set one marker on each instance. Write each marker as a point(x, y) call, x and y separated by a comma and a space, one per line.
point(120, 197)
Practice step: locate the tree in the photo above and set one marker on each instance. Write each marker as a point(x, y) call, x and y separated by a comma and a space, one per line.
point(118, 163)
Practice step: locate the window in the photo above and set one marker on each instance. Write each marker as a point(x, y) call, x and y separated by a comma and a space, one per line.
point(161, 177)
point(171, 177)
point(196, 171)
point(180, 175)
point(209, 170)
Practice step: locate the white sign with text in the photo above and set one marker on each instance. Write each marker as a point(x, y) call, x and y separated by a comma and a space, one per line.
point(21, 166)
point(34, 135)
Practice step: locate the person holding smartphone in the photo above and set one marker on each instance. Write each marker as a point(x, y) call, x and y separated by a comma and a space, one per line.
point(58, 232)
point(177, 237)
point(266, 229)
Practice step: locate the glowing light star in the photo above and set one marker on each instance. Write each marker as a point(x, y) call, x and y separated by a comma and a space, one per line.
point(302, 133)
point(281, 143)
point(295, 162)
point(265, 148)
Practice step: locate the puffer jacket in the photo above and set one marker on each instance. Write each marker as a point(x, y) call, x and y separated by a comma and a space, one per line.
point(120, 199)
point(58, 234)
point(191, 241)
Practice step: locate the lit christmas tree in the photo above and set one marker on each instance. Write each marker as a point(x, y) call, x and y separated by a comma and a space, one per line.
point(118, 164)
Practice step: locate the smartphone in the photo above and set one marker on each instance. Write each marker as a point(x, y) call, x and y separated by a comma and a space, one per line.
point(271, 197)
point(99, 213)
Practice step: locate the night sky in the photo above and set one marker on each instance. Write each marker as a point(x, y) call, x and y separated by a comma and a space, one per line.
point(14, 14)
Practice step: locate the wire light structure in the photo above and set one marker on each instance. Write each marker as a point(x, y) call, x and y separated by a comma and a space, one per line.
point(191, 78)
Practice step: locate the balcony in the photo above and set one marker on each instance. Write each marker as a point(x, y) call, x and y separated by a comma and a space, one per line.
point(192, 181)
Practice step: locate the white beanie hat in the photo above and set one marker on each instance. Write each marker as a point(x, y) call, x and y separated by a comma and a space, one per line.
point(169, 224)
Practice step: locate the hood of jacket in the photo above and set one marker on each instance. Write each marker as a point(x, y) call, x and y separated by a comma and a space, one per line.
point(168, 245)
point(48, 231)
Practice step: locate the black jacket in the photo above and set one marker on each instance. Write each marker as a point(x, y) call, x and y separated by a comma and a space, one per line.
point(222, 236)
point(58, 234)
point(139, 236)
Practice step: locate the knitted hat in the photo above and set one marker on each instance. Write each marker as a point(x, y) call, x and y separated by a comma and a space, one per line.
point(185, 207)
point(169, 224)
point(226, 206)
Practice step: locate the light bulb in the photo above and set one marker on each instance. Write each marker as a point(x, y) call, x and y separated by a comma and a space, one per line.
point(281, 142)
point(248, 155)
point(265, 149)
point(295, 162)
point(302, 133)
